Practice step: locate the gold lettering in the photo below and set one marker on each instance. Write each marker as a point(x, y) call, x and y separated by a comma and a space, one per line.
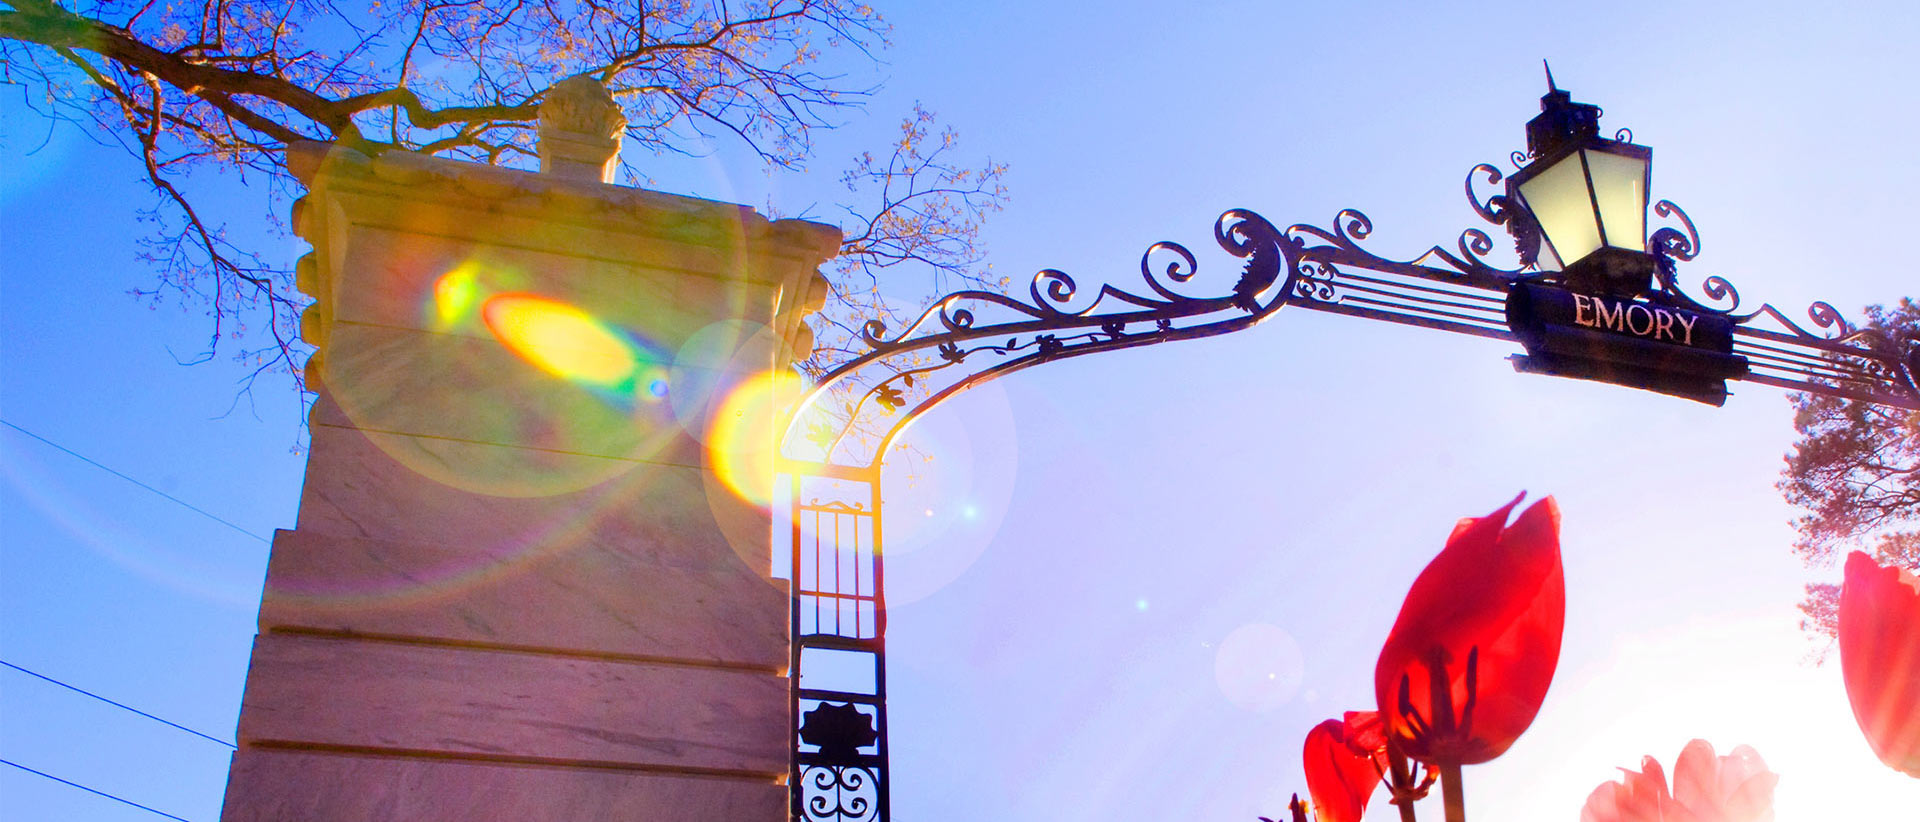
point(1663, 323)
point(1636, 331)
point(1686, 322)
point(1582, 310)
point(1615, 321)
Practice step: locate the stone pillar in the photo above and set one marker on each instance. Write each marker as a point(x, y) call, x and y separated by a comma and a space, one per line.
point(516, 589)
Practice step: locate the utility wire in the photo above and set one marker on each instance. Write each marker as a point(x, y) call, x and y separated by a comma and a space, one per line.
point(91, 790)
point(182, 503)
point(116, 704)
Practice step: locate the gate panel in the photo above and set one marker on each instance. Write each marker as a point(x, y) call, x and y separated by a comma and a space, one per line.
point(839, 650)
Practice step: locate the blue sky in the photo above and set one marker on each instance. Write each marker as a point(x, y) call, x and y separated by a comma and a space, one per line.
point(1146, 520)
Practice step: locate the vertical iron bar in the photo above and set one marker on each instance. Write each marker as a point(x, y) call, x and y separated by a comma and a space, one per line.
point(816, 571)
point(796, 585)
point(856, 577)
point(836, 575)
point(885, 792)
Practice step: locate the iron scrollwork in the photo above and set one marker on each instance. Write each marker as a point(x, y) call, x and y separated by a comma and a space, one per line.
point(839, 793)
point(1673, 245)
point(909, 371)
point(1833, 357)
point(1499, 209)
point(1317, 268)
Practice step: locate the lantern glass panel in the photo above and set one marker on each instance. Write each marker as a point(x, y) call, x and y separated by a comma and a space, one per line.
point(1560, 203)
point(1546, 260)
point(1620, 191)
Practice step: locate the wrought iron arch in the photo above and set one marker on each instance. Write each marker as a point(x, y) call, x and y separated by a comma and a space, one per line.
point(835, 441)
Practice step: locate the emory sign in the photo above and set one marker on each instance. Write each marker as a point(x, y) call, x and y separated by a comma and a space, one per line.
point(1656, 322)
point(1622, 341)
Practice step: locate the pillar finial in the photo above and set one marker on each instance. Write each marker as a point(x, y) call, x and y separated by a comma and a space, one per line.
point(580, 126)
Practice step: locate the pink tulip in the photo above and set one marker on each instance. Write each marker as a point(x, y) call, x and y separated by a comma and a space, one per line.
point(1706, 788)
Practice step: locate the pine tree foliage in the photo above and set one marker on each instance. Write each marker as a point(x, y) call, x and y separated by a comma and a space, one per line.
point(1855, 473)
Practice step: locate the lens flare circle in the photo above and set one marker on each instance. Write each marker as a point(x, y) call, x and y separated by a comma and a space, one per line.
point(742, 444)
point(208, 572)
point(713, 364)
point(531, 537)
point(1258, 667)
point(960, 462)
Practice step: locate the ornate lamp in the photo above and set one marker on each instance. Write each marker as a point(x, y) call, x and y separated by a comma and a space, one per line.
point(1586, 197)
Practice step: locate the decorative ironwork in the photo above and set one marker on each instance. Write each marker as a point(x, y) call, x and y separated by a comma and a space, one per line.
point(842, 430)
point(838, 624)
point(910, 371)
point(839, 793)
point(839, 731)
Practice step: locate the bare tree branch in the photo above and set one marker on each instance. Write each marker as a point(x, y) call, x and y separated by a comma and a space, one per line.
point(229, 83)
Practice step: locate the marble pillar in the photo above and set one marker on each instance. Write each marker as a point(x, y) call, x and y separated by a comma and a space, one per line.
point(517, 588)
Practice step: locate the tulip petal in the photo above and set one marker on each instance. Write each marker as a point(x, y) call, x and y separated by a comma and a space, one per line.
point(1493, 601)
point(1365, 733)
point(1455, 592)
point(1880, 658)
point(1746, 786)
point(1339, 780)
point(1706, 788)
point(1603, 805)
point(1696, 775)
point(1752, 800)
point(1516, 668)
point(1647, 795)
point(1732, 788)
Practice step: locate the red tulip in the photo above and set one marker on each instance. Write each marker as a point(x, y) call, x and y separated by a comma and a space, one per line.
point(1469, 660)
point(1344, 762)
point(1880, 658)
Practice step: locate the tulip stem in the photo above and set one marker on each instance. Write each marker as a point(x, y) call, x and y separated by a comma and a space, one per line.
point(1402, 782)
point(1451, 792)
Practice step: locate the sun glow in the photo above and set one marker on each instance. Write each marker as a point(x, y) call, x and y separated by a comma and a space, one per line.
point(1658, 689)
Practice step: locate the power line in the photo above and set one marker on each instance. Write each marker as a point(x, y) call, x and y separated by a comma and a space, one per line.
point(182, 503)
point(116, 704)
point(91, 790)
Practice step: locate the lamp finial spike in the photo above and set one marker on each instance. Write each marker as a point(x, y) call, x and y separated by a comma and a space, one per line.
point(1549, 67)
